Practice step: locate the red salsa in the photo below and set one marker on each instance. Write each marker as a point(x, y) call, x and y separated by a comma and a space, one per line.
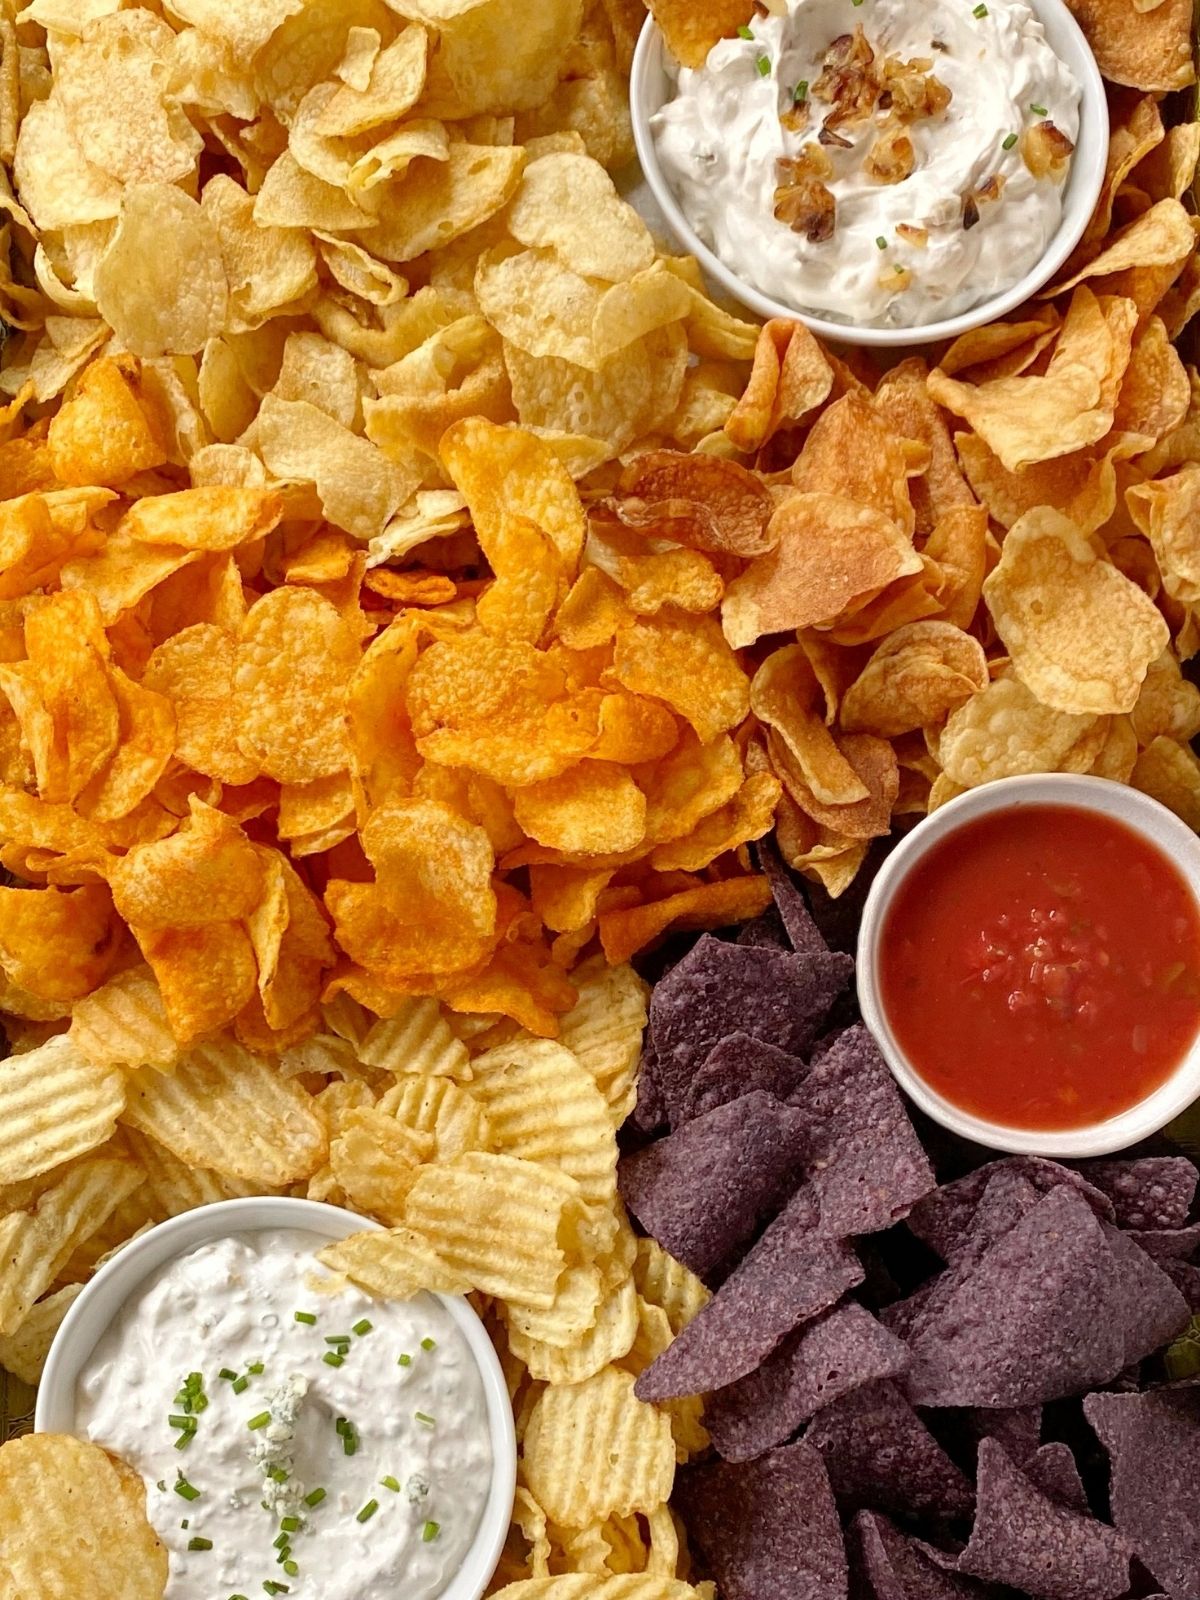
point(1040, 967)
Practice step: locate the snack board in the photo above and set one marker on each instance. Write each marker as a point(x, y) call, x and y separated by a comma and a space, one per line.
point(424, 599)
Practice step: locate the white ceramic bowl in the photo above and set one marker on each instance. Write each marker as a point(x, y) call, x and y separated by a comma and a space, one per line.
point(94, 1310)
point(1129, 806)
point(649, 89)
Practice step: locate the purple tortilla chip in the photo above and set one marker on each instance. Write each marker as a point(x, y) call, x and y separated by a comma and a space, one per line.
point(1153, 1443)
point(943, 1219)
point(1017, 1428)
point(649, 1113)
point(769, 1528)
point(1174, 1244)
point(703, 1190)
point(1152, 1192)
point(1187, 1280)
point(1025, 1539)
point(1044, 1314)
point(886, 1564)
point(903, 1317)
point(1052, 1470)
point(862, 1156)
point(766, 930)
point(881, 1456)
point(812, 1368)
point(1153, 1308)
point(792, 1273)
point(737, 1065)
point(789, 901)
point(719, 989)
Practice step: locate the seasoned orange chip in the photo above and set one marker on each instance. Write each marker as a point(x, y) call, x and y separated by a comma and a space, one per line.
point(215, 518)
point(103, 434)
point(685, 662)
point(593, 809)
point(710, 905)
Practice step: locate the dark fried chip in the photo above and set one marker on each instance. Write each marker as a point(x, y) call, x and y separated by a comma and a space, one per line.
point(1031, 1542)
point(703, 502)
point(880, 1454)
point(793, 909)
point(813, 1367)
point(862, 1155)
point(943, 1219)
point(1154, 1192)
point(718, 989)
point(790, 1275)
point(769, 1528)
point(1153, 1444)
point(737, 1065)
point(1052, 1470)
point(887, 1565)
point(703, 1190)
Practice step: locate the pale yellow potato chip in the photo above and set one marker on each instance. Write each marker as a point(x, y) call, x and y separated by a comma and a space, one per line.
point(246, 25)
point(397, 1262)
point(568, 203)
point(436, 202)
point(668, 1284)
point(588, 1586)
point(539, 305)
point(603, 1030)
point(1079, 634)
point(265, 267)
point(438, 1110)
point(610, 1337)
point(393, 87)
point(172, 1186)
point(1170, 774)
point(203, 74)
point(307, 46)
point(391, 158)
point(57, 184)
point(320, 373)
point(593, 1450)
point(38, 1239)
point(499, 1221)
point(54, 1105)
point(1005, 732)
point(543, 1106)
point(417, 1040)
point(1166, 511)
point(493, 55)
point(24, 1353)
point(577, 1301)
point(161, 286)
point(374, 1160)
point(632, 310)
point(293, 198)
point(232, 1111)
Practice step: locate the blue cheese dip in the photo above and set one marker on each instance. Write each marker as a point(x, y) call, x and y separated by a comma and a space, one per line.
point(878, 162)
point(297, 1437)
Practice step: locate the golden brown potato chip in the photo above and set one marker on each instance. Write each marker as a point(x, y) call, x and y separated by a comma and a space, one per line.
point(67, 1508)
point(698, 501)
point(790, 378)
point(784, 696)
point(24, 1353)
point(1166, 511)
point(749, 815)
point(208, 871)
point(874, 764)
point(917, 676)
point(1004, 732)
point(493, 55)
point(594, 808)
point(1082, 487)
point(1078, 632)
point(1168, 705)
point(54, 1105)
point(194, 670)
point(206, 974)
point(1170, 773)
point(103, 434)
point(1145, 49)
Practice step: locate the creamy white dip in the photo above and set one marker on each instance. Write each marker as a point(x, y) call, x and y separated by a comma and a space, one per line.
point(400, 1447)
point(721, 137)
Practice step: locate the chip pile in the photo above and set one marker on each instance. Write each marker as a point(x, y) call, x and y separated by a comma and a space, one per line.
point(901, 1443)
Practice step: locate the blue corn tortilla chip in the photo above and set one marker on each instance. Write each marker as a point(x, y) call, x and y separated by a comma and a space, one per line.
point(813, 1367)
point(703, 1190)
point(1148, 1193)
point(862, 1155)
point(1017, 1428)
point(766, 930)
point(768, 1529)
point(789, 899)
point(1153, 1308)
point(1052, 1470)
point(886, 1564)
point(791, 1274)
point(1186, 1279)
point(737, 1065)
point(882, 1457)
point(1153, 1444)
point(943, 1219)
point(1029, 1541)
point(1047, 1311)
point(718, 989)
point(1167, 1244)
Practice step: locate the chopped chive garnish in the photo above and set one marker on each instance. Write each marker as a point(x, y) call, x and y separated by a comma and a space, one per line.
point(255, 1367)
point(272, 1587)
point(422, 1416)
point(800, 92)
point(240, 1385)
point(880, 242)
point(186, 1489)
point(1009, 142)
point(227, 1373)
point(979, 11)
point(1039, 111)
point(280, 1541)
point(186, 1522)
point(184, 1439)
point(342, 1427)
point(332, 1359)
point(260, 1421)
point(428, 1344)
point(764, 66)
point(239, 1597)
point(291, 1568)
point(431, 1529)
point(285, 1554)
point(290, 1524)
point(315, 1498)
point(306, 1316)
point(391, 1483)
point(189, 1424)
point(363, 1325)
point(197, 1543)
point(856, 2)
point(367, 1512)
point(404, 1360)
point(278, 1474)
point(341, 1339)
point(745, 33)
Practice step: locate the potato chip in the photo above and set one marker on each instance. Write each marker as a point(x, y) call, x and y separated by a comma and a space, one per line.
point(1004, 732)
point(359, 488)
point(198, 1112)
point(491, 55)
point(172, 1187)
point(587, 1586)
point(749, 815)
point(67, 1506)
point(511, 287)
point(161, 286)
point(691, 29)
point(396, 1262)
point(1089, 649)
point(609, 1338)
point(789, 379)
point(206, 974)
point(37, 1239)
point(208, 871)
point(374, 1160)
point(1168, 704)
point(603, 1030)
point(594, 808)
point(710, 905)
point(499, 1221)
point(194, 670)
point(784, 696)
point(698, 501)
point(592, 1450)
point(1169, 773)
point(437, 201)
point(58, 185)
point(54, 1105)
point(606, 404)
point(24, 1353)
point(57, 944)
point(1083, 487)
point(918, 676)
point(437, 1109)
point(265, 267)
point(556, 193)
point(686, 663)
point(874, 764)
point(1165, 510)
point(1148, 50)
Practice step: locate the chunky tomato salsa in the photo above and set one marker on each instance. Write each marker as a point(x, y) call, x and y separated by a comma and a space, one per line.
point(1040, 967)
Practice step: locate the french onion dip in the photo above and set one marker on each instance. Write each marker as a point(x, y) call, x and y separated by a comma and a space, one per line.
point(880, 162)
point(296, 1438)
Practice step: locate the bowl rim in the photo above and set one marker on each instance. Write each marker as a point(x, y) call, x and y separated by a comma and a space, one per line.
point(1143, 816)
point(102, 1298)
point(1086, 180)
